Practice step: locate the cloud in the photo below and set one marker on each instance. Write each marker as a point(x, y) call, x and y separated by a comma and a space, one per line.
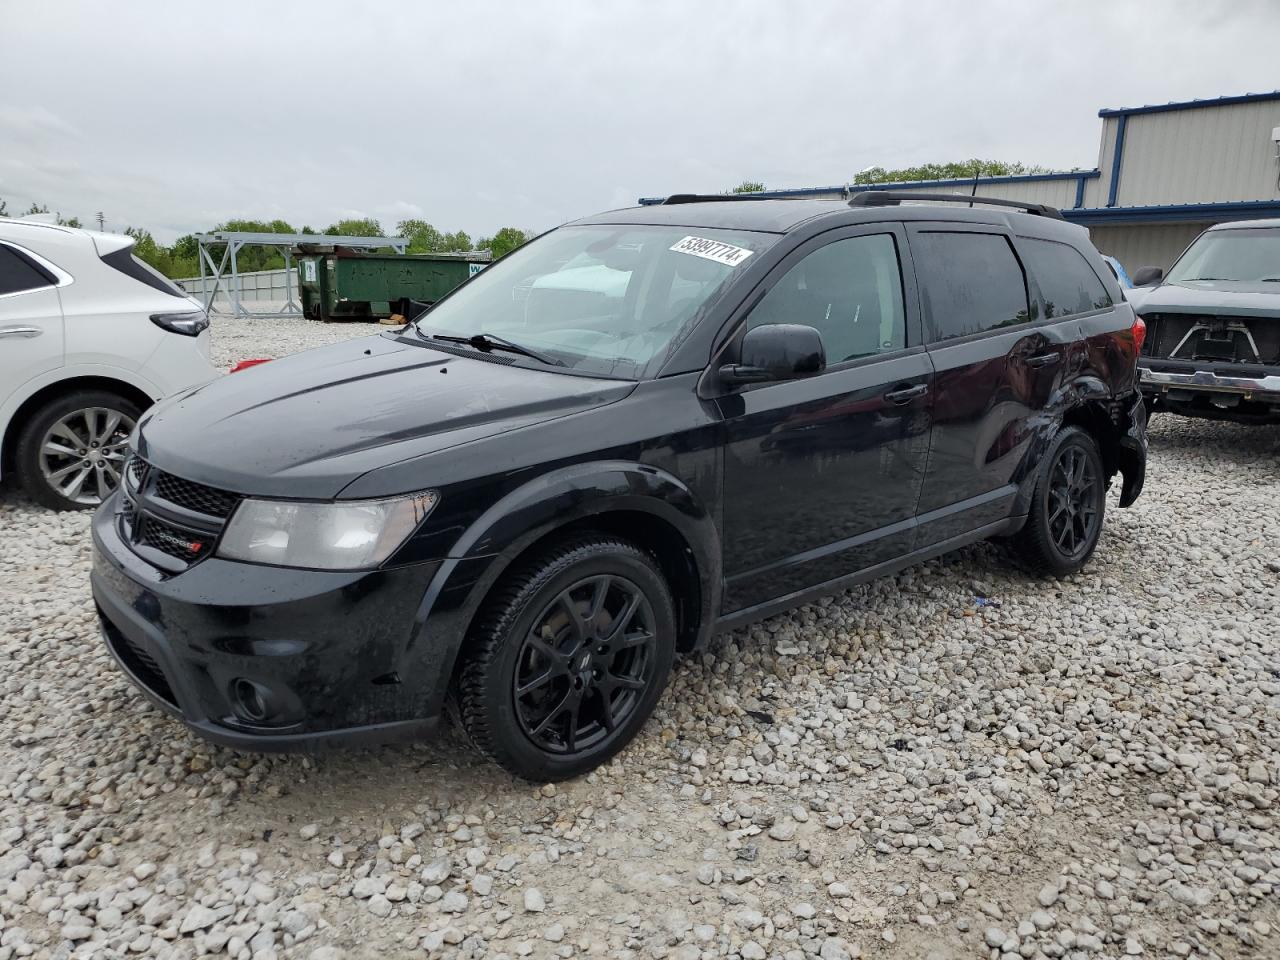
point(538, 112)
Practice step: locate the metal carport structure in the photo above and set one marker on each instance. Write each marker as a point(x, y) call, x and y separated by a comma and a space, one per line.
point(226, 273)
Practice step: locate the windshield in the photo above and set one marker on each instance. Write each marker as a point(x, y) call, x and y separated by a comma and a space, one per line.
point(1247, 256)
point(606, 300)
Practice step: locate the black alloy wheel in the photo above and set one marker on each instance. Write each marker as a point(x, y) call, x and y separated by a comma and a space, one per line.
point(567, 658)
point(584, 664)
point(1075, 510)
point(1067, 506)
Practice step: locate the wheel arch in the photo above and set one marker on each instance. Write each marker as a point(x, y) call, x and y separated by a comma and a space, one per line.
point(1117, 425)
point(52, 391)
point(640, 503)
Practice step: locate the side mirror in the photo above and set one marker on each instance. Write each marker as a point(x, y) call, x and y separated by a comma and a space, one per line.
point(1147, 276)
point(777, 351)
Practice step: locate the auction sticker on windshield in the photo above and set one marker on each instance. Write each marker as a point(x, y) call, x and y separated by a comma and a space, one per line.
point(725, 253)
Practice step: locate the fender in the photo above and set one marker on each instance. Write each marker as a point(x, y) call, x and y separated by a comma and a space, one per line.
point(488, 547)
point(14, 401)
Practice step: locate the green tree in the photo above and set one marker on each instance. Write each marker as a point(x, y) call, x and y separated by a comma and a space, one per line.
point(422, 236)
point(503, 242)
point(249, 259)
point(147, 250)
point(184, 257)
point(955, 170)
point(365, 227)
point(748, 186)
point(458, 242)
point(4, 209)
point(36, 208)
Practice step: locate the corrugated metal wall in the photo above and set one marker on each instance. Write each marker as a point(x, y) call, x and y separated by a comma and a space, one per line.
point(258, 286)
point(1056, 193)
point(1143, 245)
point(1095, 191)
point(1203, 155)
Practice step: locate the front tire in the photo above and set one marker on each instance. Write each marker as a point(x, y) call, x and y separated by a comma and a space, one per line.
point(1067, 506)
point(568, 659)
point(71, 452)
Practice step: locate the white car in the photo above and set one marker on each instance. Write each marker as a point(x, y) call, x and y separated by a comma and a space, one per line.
point(90, 336)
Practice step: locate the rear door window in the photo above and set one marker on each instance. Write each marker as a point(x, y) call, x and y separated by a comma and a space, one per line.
point(1067, 282)
point(970, 283)
point(18, 274)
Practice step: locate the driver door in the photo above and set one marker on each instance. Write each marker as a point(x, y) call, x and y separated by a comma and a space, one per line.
point(822, 475)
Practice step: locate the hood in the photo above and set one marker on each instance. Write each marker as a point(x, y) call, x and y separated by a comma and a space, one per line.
point(306, 426)
point(1209, 297)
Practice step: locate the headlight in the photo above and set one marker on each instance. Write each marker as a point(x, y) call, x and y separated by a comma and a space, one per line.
point(345, 535)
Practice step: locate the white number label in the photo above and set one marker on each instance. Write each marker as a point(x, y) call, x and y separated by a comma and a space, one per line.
point(725, 253)
point(309, 271)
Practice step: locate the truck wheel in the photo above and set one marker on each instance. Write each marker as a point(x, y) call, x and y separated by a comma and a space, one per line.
point(1067, 506)
point(568, 659)
point(71, 453)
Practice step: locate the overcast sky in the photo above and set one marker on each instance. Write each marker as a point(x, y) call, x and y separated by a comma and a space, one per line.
point(479, 115)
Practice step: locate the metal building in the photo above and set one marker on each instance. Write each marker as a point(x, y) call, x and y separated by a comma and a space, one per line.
point(1164, 173)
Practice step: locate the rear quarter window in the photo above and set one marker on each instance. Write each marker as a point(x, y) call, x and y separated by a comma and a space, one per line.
point(124, 261)
point(1067, 282)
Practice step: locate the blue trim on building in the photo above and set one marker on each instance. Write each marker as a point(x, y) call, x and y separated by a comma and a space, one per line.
point(1175, 213)
point(1117, 157)
point(1080, 176)
point(1189, 104)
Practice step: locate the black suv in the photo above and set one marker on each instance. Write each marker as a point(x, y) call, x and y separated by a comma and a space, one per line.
point(640, 429)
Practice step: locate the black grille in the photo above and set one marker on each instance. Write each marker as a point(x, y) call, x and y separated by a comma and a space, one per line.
point(1209, 338)
point(156, 530)
point(140, 663)
point(194, 496)
point(138, 469)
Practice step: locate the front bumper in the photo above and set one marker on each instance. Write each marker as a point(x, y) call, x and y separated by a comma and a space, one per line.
point(267, 658)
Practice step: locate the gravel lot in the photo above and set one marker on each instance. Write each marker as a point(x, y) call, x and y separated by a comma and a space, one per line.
point(1087, 769)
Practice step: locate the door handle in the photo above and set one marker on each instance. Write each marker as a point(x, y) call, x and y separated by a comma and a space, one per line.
point(25, 332)
point(1044, 359)
point(907, 394)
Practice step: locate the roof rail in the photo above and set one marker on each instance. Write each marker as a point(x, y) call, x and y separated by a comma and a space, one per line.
point(892, 198)
point(709, 197)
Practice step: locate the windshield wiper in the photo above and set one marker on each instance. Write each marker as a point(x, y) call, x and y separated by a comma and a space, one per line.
point(490, 341)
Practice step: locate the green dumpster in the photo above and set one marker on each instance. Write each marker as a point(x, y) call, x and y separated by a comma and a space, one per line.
point(336, 283)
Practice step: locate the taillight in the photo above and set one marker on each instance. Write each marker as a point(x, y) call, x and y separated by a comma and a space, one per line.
point(246, 364)
point(1139, 333)
point(189, 323)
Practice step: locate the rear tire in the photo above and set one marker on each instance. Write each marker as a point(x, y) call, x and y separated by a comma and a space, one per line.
point(1067, 507)
point(567, 659)
point(71, 452)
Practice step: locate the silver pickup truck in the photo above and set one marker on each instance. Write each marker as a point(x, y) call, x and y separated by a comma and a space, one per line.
point(1213, 326)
